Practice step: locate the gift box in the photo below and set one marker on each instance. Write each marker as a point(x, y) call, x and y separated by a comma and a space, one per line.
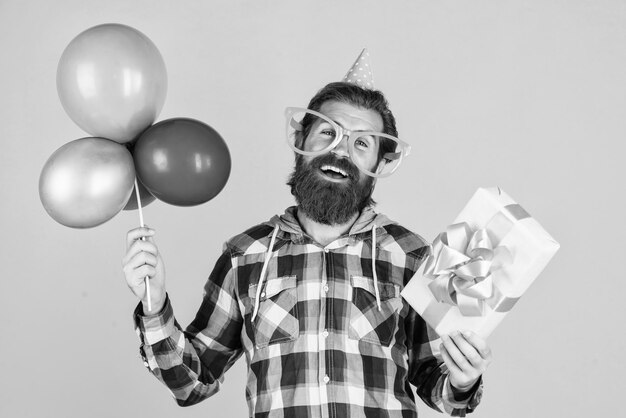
point(480, 266)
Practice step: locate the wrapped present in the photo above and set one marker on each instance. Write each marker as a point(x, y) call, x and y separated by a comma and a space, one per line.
point(480, 266)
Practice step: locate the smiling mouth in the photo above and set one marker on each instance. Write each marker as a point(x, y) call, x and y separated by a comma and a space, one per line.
point(333, 172)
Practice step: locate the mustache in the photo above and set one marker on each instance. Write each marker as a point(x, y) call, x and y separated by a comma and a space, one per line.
point(343, 163)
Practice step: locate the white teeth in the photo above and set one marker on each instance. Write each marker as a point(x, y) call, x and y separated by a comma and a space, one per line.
point(335, 169)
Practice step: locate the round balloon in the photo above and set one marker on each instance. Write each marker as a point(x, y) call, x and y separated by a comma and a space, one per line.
point(144, 195)
point(86, 182)
point(112, 81)
point(182, 161)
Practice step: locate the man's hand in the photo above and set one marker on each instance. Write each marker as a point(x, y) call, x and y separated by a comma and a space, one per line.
point(467, 356)
point(142, 259)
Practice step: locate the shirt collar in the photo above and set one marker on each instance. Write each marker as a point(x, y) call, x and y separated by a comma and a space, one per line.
point(290, 227)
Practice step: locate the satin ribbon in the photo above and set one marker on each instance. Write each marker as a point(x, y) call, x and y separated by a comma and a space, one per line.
point(461, 265)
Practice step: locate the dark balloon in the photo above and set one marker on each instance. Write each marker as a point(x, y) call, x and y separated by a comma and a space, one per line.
point(182, 161)
point(144, 195)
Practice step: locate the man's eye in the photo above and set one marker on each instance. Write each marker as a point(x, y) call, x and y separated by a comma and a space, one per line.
point(361, 143)
point(328, 132)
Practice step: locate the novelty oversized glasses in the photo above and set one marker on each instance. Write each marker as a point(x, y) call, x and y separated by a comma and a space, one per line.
point(311, 133)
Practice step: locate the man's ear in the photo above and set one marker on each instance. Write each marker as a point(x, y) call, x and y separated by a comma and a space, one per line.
point(380, 166)
point(299, 140)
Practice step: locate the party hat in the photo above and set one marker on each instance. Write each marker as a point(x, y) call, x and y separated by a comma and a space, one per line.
point(361, 72)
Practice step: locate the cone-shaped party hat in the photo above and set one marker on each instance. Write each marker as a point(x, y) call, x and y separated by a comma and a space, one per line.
point(361, 72)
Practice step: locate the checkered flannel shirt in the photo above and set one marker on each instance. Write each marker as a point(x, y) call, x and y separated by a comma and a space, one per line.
point(319, 346)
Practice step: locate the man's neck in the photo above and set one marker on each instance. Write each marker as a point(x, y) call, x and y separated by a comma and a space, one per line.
point(322, 233)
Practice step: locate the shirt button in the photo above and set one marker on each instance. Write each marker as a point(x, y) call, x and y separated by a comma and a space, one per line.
point(326, 288)
point(326, 379)
point(262, 294)
point(325, 333)
point(326, 250)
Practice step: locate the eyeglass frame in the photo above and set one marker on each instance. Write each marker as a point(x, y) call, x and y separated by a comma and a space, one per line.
point(405, 148)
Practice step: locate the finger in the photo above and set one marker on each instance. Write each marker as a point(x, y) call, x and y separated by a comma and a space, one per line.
point(449, 361)
point(468, 351)
point(149, 239)
point(479, 344)
point(137, 234)
point(455, 353)
point(137, 247)
point(130, 269)
point(138, 275)
point(142, 258)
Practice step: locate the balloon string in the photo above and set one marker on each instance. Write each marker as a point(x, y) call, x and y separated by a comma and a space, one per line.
point(143, 239)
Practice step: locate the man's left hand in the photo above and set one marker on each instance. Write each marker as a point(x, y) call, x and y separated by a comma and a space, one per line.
point(467, 356)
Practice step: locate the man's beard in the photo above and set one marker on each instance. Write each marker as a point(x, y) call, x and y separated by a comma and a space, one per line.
point(325, 201)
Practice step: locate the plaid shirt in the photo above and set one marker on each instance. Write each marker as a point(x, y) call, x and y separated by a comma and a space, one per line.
point(319, 345)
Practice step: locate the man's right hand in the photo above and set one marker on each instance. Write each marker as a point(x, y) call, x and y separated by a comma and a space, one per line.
point(142, 259)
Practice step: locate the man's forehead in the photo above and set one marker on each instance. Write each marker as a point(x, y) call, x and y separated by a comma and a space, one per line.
point(352, 117)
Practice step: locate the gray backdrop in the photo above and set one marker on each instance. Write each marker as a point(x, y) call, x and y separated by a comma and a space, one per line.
point(526, 95)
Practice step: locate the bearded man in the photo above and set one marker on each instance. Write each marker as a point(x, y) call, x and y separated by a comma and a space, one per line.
point(312, 297)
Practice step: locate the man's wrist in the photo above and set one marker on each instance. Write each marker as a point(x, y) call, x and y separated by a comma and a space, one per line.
point(465, 388)
point(464, 393)
point(156, 306)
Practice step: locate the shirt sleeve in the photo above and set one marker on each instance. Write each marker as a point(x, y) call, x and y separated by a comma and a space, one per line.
point(192, 363)
point(429, 374)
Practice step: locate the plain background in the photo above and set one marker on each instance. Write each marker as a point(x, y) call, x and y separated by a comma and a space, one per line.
point(526, 95)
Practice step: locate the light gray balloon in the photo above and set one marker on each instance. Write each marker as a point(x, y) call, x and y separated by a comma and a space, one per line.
point(112, 81)
point(86, 182)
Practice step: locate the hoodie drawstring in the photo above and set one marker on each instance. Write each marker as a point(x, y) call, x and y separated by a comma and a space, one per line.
point(268, 256)
point(374, 267)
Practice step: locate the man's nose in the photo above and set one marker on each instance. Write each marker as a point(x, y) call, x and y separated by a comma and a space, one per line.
point(341, 150)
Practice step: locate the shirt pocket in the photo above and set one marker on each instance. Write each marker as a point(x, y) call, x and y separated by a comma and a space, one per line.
point(367, 323)
point(277, 318)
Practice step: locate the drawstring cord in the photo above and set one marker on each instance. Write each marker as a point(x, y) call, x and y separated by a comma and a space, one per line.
point(268, 256)
point(374, 267)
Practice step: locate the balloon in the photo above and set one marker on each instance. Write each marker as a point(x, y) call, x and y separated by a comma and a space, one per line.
point(112, 81)
point(86, 182)
point(144, 195)
point(182, 161)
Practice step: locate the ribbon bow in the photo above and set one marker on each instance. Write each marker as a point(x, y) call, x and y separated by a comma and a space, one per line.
point(461, 265)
